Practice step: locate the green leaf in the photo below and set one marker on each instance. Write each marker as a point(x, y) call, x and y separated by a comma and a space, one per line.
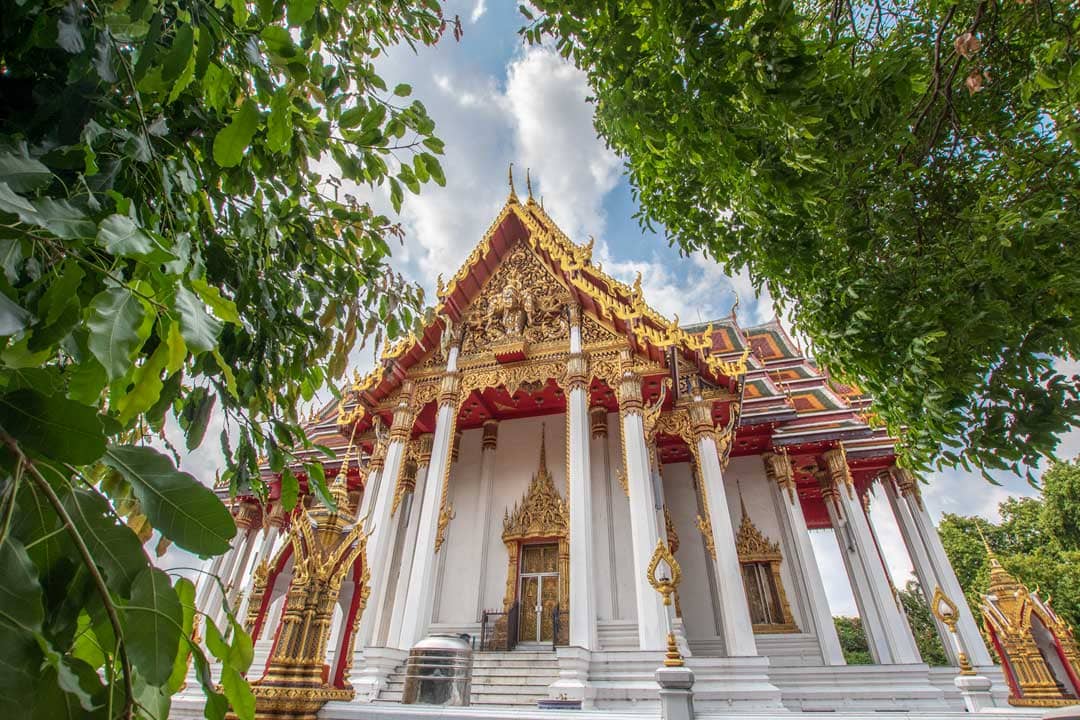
point(13, 319)
point(152, 623)
point(242, 650)
point(199, 329)
point(403, 90)
point(21, 606)
point(279, 125)
point(145, 388)
point(215, 643)
point(86, 381)
point(23, 174)
point(299, 12)
point(11, 254)
point(116, 329)
point(433, 167)
point(53, 426)
point(195, 415)
point(63, 219)
point(238, 692)
point(73, 676)
point(114, 547)
point(317, 477)
point(234, 138)
point(15, 204)
point(396, 195)
point(63, 292)
point(230, 376)
point(185, 592)
point(224, 308)
point(290, 489)
point(177, 349)
point(178, 506)
point(179, 54)
point(119, 235)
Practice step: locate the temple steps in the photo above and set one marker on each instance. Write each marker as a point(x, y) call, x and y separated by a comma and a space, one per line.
point(503, 679)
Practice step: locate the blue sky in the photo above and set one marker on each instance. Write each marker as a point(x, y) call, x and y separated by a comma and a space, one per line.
point(494, 102)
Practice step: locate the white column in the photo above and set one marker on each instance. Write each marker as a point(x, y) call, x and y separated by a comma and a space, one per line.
point(410, 513)
point(579, 478)
point(778, 468)
point(238, 577)
point(915, 523)
point(644, 532)
point(381, 540)
point(420, 600)
point(488, 446)
point(604, 532)
point(886, 626)
point(734, 610)
point(207, 583)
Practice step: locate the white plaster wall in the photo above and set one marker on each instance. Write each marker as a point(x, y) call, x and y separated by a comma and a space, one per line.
point(603, 539)
point(516, 459)
point(695, 594)
point(458, 571)
point(626, 600)
point(748, 474)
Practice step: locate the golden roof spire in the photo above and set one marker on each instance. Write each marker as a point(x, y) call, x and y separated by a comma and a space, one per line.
point(528, 182)
point(510, 177)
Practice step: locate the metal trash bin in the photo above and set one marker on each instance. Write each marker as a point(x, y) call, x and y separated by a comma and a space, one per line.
point(439, 671)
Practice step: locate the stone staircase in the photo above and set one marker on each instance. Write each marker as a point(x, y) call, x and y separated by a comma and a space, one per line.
point(499, 679)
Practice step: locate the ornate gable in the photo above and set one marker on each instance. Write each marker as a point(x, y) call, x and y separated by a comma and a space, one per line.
point(521, 302)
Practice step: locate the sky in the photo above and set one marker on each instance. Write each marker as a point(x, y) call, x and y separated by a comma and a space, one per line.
point(496, 102)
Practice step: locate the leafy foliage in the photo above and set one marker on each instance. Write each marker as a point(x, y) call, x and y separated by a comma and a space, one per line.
point(1027, 542)
point(853, 641)
point(173, 243)
point(901, 176)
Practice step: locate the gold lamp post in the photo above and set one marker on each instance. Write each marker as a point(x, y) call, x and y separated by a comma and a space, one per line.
point(945, 610)
point(666, 585)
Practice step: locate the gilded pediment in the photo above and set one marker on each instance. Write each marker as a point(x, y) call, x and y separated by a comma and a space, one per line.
point(521, 302)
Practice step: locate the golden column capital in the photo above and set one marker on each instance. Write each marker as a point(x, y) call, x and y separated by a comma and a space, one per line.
point(598, 421)
point(778, 469)
point(425, 443)
point(577, 368)
point(837, 471)
point(907, 484)
point(701, 422)
point(491, 435)
point(277, 516)
point(573, 311)
point(449, 389)
point(404, 415)
point(247, 514)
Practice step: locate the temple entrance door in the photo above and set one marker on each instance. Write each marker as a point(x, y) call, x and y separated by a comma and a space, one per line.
point(538, 593)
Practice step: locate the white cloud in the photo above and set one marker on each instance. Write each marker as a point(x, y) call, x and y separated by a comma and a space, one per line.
point(478, 11)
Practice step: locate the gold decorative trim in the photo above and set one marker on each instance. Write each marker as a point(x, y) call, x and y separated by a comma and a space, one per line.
point(778, 469)
point(754, 547)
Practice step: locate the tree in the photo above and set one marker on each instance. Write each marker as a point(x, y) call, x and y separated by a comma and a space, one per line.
point(172, 244)
point(1025, 548)
point(1061, 503)
point(853, 641)
point(901, 176)
point(922, 624)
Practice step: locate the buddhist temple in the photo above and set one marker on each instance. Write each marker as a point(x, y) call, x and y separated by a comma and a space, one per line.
point(512, 467)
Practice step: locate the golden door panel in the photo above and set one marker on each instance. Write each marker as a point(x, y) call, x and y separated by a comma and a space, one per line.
point(530, 593)
point(539, 558)
point(549, 598)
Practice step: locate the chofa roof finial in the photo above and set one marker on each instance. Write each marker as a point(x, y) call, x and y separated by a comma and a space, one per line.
point(510, 176)
point(528, 182)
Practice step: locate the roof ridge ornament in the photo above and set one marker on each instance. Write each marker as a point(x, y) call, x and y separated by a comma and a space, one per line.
point(528, 183)
point(510, 177)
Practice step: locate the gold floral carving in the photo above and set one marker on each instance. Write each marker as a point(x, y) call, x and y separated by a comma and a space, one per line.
point(446, 514)
point(907, 484)
point(779, 470)
point(593, 333)
point(521, 301)
point(838, 471)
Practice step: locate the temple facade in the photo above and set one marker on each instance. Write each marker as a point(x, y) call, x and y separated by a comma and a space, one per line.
point(513, 467)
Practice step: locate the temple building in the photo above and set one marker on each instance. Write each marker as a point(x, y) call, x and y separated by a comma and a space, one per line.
point(514, 465)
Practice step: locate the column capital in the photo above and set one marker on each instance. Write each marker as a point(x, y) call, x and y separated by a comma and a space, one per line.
point(404, 415)
point(837, 470)
point(247, 514)
point(573, 312)
point(449, 388)
point(598, 421)
point(490, 438)
point(424, 445)
point(577, 368)
point(701, 422)
point(907, 484)
point(779, 469)
point(277, 516)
